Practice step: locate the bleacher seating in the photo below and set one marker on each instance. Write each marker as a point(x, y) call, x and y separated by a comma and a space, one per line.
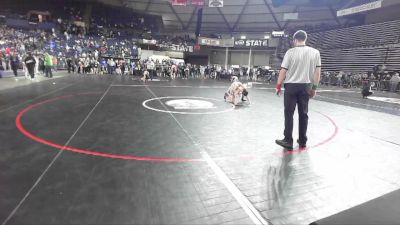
point(358, 49)
point(359, 36)
point(393, 58)
point(353, 59)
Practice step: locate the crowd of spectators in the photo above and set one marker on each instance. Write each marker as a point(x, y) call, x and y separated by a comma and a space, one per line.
point(109, 47)
point(71, 47)
point(383, 80)
point(71, 43)
point(171, 69)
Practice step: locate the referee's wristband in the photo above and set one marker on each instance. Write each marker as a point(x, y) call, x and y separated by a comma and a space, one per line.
point(314, 87)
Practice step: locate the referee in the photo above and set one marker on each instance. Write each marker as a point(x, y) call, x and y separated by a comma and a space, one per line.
point(300, 73)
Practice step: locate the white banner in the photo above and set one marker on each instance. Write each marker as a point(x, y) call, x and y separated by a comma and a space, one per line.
point(216, 3)
point(176, 48)
point(360, 8)
point(278, 33)
point(227, 43)
point(177, 55)
point(251, 43)
point(209, 41)
point(149, 42)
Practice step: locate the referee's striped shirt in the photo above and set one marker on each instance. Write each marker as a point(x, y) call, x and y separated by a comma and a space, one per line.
point(301, 63)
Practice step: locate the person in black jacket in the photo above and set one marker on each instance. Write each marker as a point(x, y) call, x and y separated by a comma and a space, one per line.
point(70, 65)
point(14, 62)
point(30, 63)
point(1, 67)
point(367, 91)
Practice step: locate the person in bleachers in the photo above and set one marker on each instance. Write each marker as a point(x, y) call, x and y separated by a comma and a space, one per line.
point(394, 82)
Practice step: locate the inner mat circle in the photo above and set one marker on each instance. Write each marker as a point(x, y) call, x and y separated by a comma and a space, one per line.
point(188, 105)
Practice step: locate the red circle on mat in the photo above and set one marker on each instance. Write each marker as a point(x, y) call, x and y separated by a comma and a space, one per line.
point(21, 128)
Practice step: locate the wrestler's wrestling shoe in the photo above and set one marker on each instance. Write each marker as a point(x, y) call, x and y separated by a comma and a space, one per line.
point(285, 144)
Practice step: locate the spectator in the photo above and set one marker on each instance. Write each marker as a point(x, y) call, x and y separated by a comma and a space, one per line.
point(55, 63)
point(7, 59)
point(48, 64)
point(1, 67)
point(30, 63)
point(14, 63)
point(70, 66)
point(394, 82)
point(41, 65)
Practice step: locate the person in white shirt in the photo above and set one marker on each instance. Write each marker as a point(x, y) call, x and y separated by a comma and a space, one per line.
point(394, 82)
point(300, 73)
point(202, 72)
point(174, 71)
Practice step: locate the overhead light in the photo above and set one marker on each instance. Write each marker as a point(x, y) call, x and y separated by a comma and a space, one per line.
point(243, 37)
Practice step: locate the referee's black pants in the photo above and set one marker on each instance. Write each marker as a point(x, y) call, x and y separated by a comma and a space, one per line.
point(296, 94)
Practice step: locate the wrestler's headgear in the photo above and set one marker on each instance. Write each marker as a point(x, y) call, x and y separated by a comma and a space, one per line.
point(234, 79)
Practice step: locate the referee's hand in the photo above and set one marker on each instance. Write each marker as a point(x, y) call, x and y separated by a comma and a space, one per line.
point(312, 93)
point(278, 89)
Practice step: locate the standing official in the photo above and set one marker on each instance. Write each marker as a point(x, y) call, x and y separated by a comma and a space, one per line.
point(300, 73)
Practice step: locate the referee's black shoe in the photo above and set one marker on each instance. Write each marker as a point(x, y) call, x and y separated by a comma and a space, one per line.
point(301, 144)
point(285, 143)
